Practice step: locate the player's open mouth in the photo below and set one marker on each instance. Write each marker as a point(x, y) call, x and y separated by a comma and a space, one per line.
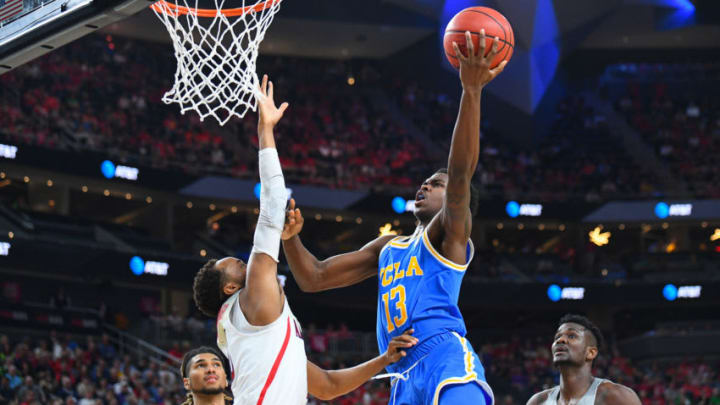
point(211, 379)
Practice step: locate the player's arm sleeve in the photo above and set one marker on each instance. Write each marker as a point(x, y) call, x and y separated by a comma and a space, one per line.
point(328, 384)
point(273, 197)
point(346, 269)
point(263, 294)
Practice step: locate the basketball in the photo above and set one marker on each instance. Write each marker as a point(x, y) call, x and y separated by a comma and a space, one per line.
point(474, 19)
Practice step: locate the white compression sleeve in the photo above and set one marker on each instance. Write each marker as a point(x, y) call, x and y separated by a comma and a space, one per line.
point(273, 198)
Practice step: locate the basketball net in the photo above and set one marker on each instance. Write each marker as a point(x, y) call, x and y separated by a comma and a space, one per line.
point(216, 51)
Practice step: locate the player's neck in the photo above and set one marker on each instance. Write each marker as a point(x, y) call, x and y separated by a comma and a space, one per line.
point(574, 381)
point(216, 399)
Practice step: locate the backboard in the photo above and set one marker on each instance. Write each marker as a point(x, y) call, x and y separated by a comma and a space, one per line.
point(31, 28)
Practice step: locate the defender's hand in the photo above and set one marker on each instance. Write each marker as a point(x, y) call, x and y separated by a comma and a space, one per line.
point(268, 113)
point(475, 70)
point(293, 222)
point(394, 351)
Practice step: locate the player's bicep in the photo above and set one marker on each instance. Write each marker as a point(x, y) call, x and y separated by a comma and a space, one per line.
point(456, 216)
point(617, 394)
point(262, 302)
point(351, 268)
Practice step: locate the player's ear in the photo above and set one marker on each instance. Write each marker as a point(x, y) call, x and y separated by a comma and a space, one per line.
point(186, 383)
point(590, 353)
point(230, 288)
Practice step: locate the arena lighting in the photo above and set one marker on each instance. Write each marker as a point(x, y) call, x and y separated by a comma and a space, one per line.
point(8, 151)
point(514, 209)
point(664, 210)
point(138, 266)
point(671, 292)
point(399, 205)
point(599, 238)
point(387, 230)
point(715, 236)
point(4, 248)
point(556, 293)
point(109, 170)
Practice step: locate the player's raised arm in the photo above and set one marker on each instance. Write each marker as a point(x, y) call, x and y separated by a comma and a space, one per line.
point(475, 73)
point(314, 275)
point(262, 302)
point(328, 384)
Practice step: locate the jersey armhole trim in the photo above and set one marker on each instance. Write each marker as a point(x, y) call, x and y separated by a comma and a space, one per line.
point(392, 243)
point(249, 329)
point(443, 260)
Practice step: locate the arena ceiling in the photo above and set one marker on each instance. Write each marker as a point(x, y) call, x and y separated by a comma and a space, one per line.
point(379, 28)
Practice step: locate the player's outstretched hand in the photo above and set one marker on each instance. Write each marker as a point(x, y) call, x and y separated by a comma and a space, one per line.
point(475, 71)
point(293, 221)
point(268, 114)
point(395, 350)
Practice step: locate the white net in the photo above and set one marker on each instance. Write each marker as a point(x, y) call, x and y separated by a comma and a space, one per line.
point(216, 51)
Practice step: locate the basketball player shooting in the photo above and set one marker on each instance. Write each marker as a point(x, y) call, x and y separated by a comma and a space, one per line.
point(419, 276)
point(576, 345)
point(256, 329)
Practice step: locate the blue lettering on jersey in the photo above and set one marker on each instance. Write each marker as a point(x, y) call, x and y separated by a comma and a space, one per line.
point(417, 288)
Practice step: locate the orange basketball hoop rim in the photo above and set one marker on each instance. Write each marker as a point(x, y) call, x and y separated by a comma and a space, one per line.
point(172, 9)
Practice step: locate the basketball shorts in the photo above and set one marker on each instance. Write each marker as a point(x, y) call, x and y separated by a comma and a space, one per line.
point(448, 362)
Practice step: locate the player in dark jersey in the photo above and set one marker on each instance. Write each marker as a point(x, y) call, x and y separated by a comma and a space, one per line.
point(419, 276)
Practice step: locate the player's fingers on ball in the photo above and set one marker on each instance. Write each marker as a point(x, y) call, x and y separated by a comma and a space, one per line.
point(481, 41)
point(458, 54)
point(470, 45)
point(495, 47)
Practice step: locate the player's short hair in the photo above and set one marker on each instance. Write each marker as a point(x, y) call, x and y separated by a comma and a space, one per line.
point(474, 193)
point(207, 289)
point(185, 365)
point(587, 324)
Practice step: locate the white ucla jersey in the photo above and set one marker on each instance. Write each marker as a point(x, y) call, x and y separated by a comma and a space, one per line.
point(268, 362)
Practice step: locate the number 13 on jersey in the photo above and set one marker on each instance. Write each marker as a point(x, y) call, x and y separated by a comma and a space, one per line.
point(396, 321)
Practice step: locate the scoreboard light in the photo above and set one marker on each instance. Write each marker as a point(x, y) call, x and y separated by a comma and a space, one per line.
point(514, 209)
point(555, 293)
point(4, 248)
point(109, 170)
point(671, 292)
point(139, 267)
point(400, 206)
point(8, 151)
point(664, 210)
